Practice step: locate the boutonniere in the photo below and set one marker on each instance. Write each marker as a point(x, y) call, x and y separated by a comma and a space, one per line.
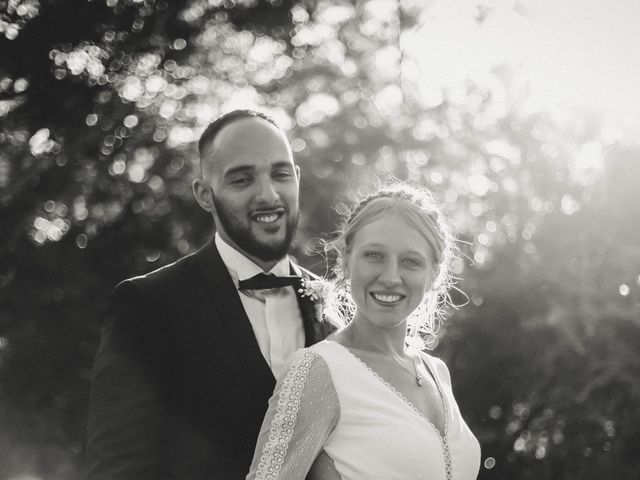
point(316, 290)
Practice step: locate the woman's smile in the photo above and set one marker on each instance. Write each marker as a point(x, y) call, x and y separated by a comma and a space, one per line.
point(387, 298)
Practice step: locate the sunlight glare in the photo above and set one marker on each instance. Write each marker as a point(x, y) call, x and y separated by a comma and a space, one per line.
point(575, 54)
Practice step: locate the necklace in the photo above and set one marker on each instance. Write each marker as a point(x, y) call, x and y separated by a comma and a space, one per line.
point(419, 377)
point(418, 370)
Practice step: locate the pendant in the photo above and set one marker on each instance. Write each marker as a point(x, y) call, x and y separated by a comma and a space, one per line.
point(419, 380)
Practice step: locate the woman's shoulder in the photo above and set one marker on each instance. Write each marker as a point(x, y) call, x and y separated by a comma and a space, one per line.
point(329, 353)
point(331, 350)
point(308, 368)
point(440, 367)
point(310, 360)
point(323, 346)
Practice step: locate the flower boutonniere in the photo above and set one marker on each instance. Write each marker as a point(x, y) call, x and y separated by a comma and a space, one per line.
point(316, 290)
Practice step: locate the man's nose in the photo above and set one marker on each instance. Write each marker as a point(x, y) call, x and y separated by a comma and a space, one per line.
point(390, 275)
point(267, 192)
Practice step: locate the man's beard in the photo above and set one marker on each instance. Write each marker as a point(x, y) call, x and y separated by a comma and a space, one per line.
point(248, 242)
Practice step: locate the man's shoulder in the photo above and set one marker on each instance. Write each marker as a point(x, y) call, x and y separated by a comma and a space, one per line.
point(172, 275)
point(166, 273)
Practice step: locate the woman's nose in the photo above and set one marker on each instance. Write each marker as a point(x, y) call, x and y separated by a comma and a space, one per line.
point(390, 274)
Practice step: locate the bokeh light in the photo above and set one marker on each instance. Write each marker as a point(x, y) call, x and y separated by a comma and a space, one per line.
point(513, 113)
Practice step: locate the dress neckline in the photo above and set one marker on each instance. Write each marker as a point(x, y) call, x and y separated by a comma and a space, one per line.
point(441, 435)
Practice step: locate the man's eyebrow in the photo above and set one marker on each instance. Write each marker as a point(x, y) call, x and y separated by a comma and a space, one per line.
point(239, 169)
point(251, 168)
point(281, 165)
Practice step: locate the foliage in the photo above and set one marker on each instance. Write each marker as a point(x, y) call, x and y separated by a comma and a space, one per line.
point(101, 103)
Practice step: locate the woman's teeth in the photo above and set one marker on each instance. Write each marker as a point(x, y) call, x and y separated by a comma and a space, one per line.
point(386, 298)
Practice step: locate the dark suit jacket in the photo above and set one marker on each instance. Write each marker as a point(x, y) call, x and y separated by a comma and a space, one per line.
point(180, 387)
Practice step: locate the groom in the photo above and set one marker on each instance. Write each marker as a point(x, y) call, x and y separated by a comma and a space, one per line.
point(189, 353)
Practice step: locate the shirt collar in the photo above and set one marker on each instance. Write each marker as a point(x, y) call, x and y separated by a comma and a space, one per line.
point(240, 267)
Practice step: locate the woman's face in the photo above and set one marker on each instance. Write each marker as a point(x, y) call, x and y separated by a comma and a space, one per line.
point(390, 269)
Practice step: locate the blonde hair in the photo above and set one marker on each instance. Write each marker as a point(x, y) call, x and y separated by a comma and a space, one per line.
point(418, 208)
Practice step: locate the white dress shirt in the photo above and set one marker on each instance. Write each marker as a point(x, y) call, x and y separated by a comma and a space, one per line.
point(274, 314)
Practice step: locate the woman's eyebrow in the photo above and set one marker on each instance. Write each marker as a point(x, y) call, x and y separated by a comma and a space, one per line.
point(378, 245)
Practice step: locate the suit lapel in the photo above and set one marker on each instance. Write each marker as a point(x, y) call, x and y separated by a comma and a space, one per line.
point(225, 302)
point(307, 310)
point(227, 308)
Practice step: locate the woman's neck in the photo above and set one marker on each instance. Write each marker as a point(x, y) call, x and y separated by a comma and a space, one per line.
point(364, 335)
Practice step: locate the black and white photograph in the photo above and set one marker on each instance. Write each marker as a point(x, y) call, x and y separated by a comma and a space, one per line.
point(319, 240)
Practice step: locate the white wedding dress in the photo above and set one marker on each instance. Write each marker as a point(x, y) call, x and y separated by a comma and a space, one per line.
point(334, 417)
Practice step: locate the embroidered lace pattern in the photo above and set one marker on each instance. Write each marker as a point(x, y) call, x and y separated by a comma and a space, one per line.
point(301, 415)
point(448, 463)
point(284, 421)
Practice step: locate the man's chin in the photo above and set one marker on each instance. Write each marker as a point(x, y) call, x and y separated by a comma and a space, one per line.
point(270, 236)
point(269, 253)
point(273, 249)
point(269, 242)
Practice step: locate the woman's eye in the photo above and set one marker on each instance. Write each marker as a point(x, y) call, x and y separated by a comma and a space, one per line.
point(413, 262)
point(372, 254)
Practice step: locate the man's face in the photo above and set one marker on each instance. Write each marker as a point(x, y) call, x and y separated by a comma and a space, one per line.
point(254, 184)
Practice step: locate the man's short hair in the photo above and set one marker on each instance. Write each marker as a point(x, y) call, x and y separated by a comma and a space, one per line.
point(209, 134)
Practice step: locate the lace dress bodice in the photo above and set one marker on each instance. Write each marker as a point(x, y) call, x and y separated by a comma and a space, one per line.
point(333, 417)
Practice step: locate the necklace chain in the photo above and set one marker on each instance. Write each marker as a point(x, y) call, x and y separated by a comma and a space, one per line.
point(419, 377)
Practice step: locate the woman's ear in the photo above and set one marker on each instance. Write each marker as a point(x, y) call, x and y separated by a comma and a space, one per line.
point(433, 276)
point(203, 194)
point(344, 265)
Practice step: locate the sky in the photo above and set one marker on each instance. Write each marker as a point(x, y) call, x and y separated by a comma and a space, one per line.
point(572, 54)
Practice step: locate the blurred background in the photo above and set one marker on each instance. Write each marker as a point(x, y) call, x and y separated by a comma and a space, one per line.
point(523, 116)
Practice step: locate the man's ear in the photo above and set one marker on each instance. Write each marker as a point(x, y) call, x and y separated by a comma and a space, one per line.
point(204, 195)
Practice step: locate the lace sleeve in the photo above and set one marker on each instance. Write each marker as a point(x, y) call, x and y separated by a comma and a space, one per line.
point(302, 413)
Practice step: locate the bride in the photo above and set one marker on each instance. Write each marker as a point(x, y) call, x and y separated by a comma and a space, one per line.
point(363, 404)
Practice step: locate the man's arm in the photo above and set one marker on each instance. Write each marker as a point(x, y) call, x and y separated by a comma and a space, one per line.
point(127, 404)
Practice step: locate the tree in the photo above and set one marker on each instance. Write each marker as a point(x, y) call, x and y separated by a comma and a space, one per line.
point(101, 104)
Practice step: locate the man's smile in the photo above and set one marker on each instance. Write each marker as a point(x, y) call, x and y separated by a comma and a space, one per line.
point(268, 216)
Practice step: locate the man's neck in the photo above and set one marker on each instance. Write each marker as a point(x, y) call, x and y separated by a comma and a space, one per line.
point(266, 266)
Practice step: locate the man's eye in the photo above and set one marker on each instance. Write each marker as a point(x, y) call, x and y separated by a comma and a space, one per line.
point(240, 181)
point(282, 175)
point(372, 254)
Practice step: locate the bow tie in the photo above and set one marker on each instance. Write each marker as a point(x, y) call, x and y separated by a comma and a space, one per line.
point(262, 281)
